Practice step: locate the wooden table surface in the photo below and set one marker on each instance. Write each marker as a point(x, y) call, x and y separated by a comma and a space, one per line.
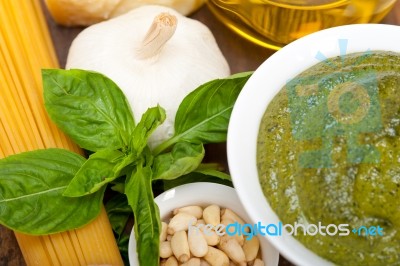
point(241, 55)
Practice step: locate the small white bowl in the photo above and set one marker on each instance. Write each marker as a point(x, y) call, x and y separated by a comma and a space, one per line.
point(203, 194)
point(261, 88)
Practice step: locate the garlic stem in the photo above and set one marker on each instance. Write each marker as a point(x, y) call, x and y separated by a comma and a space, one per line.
point(160, 31)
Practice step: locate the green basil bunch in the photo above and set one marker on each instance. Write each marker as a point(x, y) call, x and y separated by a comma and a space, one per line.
point(54, 190)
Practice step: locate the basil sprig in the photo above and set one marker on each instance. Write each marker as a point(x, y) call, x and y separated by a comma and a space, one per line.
point(56, 190)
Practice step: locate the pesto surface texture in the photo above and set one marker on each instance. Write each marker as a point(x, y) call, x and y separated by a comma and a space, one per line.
point(329, 151)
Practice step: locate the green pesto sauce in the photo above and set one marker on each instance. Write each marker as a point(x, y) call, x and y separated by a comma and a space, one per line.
point(328, 155)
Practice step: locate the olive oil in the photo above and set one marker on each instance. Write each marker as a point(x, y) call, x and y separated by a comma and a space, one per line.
point(274, 23)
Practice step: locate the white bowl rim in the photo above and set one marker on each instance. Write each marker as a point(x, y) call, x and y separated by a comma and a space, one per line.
point(213, 193)
point(286, 63)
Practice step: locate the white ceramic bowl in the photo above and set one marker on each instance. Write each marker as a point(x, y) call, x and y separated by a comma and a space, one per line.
point(265, 83)
point(203, 194)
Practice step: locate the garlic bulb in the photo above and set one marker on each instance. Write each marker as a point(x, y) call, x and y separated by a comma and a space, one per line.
point(88, 12)
point(185, 7)
point(155, 55)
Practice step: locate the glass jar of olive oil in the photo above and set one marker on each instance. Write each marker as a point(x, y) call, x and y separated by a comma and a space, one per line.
point(274, 23)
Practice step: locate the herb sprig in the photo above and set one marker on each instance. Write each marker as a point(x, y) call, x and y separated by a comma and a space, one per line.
point(43, 189)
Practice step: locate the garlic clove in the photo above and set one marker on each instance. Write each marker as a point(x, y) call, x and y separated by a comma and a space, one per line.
point(88, 12)
point(81, 12)
point(184, 7)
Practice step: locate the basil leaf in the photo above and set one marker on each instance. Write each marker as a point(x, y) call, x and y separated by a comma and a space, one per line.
point(118, 185)
point(240, 75)
point(184, 158)
point(150, 120)
point(213, 172)
point(101, 168)
point(123, 243)
point(88, 107)
point(189, 178)
point(203, 115)
point(118, 212)
point(213, 169)
point(31, 187)
point(147, 217)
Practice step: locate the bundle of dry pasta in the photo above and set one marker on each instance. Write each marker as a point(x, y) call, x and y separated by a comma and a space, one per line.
point(26, 48)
